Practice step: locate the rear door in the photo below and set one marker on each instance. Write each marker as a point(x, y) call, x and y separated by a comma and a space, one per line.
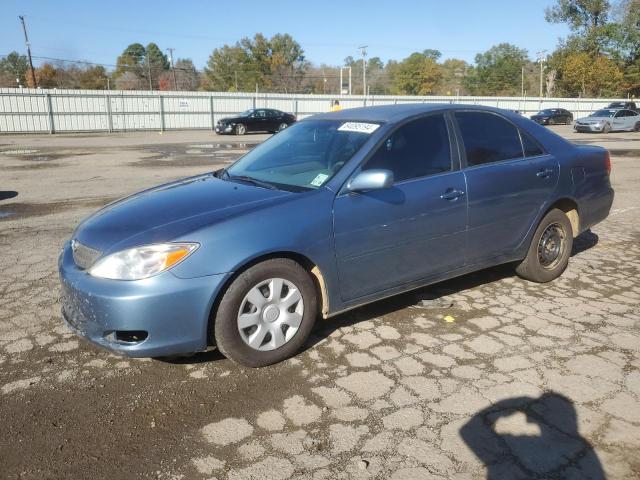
point(413, 230)
point(509, 179)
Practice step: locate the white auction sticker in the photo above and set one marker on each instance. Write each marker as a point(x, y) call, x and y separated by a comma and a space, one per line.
point(319, 180)
point(360, 127)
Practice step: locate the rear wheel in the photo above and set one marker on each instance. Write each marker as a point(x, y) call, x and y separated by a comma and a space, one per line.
point(240, 129)
point(548, 254)
point(266, 314)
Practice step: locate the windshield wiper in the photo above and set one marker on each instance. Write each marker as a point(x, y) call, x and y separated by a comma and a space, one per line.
point(246, 178)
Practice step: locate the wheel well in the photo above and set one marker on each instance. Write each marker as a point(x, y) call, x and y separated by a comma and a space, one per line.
point(304, 262)
point(570, 208)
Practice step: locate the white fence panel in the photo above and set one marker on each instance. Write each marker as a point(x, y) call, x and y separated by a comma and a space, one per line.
point(36, 111)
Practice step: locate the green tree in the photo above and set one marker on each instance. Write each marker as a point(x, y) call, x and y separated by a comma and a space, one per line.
point(417, 74)
point(498, 71)
point(586, 18)
point(275, 64)
point(13, 66)
point(453, 73)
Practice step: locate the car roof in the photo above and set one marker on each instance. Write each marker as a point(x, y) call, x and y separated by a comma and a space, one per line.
point(398, 112)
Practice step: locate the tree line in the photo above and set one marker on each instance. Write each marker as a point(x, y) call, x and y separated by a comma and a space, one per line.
point(600, 57)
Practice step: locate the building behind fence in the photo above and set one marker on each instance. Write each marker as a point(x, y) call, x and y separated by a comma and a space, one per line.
point(66, 111)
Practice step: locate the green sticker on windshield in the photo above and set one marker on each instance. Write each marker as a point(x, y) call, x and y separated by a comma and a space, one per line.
point(319, 180)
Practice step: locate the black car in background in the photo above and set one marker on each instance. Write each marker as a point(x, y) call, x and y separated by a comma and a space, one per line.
point(553, 116)
point(624, 105)
point(256, 120)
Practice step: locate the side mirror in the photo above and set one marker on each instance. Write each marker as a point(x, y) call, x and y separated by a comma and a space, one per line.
point(371, 180)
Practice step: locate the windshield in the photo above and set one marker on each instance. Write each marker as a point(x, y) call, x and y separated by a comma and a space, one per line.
point(545, 112)
point(603, 113)
point(246, 113)
point(306, 155)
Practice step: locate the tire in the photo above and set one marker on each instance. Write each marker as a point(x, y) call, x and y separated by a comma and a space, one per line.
point(606, 128)
point(541, 265)
point(282, 126)
point(233, 341)
point(240, 129)
point(636, 127)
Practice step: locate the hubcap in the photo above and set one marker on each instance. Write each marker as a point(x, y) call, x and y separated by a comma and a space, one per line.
point(270, 314)
point(551, 246)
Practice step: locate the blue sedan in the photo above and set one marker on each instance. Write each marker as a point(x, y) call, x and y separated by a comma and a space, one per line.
point(339, 210)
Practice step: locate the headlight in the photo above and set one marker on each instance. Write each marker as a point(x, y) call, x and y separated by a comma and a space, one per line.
point(142, 262)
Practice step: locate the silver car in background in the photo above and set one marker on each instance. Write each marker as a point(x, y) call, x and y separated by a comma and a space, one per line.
point(609, 120)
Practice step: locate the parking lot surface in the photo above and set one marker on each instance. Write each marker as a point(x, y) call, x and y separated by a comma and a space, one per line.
point(484, 376)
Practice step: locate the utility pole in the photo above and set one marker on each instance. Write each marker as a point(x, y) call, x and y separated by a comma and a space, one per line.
point(173, 68)
point(26, 41)
point(363, 52)
point(522, 83)
point(149, 72)
point(542, 55)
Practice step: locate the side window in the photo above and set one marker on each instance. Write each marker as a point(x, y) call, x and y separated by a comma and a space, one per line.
point(488, 138)
point(531, 147)
point(260, 113)
point(419, 148)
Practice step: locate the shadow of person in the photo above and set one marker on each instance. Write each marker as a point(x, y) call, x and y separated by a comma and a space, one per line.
point(524, 437)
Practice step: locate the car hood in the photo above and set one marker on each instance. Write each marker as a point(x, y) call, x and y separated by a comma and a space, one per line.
point(166, 212)
point(593, 119)
point(233, 119)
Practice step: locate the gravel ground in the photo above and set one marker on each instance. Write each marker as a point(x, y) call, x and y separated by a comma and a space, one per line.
point(485, 376)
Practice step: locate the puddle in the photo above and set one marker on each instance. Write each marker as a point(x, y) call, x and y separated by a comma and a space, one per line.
point(19, 151)
point(193, 155)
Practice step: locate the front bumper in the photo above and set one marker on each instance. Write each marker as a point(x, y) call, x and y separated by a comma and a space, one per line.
point(221, 128)
point(541, 121)
point(174, 312)
point(588, 128)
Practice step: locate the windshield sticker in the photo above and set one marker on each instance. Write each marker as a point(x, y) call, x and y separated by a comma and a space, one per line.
point(319, 180)
point(359, 127)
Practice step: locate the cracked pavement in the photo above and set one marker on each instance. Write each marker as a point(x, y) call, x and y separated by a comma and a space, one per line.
point(483, 376)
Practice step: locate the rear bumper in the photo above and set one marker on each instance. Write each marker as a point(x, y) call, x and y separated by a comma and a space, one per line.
point(597, 209)
point(173, 312)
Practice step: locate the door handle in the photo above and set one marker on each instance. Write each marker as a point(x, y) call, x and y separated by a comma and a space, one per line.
point(547, 172)
point(451, 194)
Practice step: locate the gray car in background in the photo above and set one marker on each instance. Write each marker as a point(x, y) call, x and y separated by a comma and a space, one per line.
point(609, 119)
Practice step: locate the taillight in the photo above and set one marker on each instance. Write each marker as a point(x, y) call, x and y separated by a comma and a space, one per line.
point(607, 162)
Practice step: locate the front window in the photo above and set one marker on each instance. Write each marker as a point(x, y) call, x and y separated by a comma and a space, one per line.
point(304, 156)
point(603, 113)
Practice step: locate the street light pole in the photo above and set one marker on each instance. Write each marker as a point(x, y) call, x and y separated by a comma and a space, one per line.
point(363, 52)
point(26, 41)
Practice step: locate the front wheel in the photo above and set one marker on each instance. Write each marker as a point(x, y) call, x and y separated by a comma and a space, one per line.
point(282, 126)
point(266, 314)
point(240, 129)
point(548, 254)
point(606, 128)
point(636, 128)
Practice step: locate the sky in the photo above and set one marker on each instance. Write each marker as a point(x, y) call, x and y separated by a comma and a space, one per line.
point(328, 30)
